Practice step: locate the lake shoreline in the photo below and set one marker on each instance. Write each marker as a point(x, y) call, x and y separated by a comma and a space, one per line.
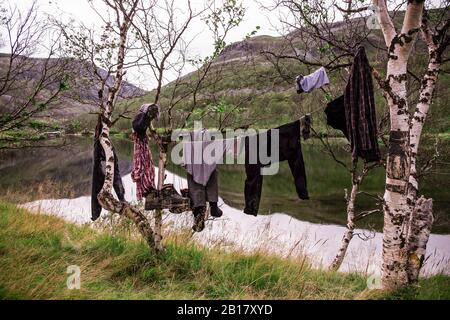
point(54, 173)
point(277, 234)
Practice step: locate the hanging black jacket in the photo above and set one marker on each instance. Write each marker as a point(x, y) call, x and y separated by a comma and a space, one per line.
point(98, 178)
point(360, 113)
point(289, 149)
point(140, 124)
point(143, 117)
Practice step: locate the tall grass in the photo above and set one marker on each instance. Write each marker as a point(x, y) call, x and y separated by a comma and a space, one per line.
point(35, 251)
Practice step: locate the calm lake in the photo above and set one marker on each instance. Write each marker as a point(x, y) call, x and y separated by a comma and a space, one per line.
point(66, 173)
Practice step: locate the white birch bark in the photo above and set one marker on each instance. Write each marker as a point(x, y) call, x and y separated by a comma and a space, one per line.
point(397, 173)
point(396, 208)
point(422, 216)
point(426, 93)
point(419, 233)
point(105, 196)
point(348, 234)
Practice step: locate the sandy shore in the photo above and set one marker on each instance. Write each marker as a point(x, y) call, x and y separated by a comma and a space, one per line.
point(278, 233)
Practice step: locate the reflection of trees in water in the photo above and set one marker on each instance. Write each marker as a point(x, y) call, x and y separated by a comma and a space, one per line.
point(66, 173)
point(55, 172)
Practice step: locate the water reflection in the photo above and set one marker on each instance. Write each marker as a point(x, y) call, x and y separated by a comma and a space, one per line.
point(67, 174)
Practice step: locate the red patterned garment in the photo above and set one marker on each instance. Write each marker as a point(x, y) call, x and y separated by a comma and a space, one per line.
point(143, 173)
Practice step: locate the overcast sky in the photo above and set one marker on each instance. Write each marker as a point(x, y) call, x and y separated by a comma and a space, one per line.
point(80, 10)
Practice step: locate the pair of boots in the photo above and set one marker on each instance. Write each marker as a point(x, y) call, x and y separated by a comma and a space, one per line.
point(200, 215)
point(167, 198)
point(215, 210)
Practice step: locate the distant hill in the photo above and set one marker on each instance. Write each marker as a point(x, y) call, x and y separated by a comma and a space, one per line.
point(79, 99)
point(246, 77)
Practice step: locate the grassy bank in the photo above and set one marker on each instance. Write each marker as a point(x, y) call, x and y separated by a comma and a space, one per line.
point(35, 251)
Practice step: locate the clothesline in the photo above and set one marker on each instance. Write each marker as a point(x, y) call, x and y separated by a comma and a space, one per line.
point(354, 115)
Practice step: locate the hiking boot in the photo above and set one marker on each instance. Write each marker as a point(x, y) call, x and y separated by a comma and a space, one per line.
point(152, 200)
point(173, 201)
point(199, 219)
point(215, 210)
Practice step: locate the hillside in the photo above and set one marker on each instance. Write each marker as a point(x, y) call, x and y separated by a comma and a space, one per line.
point(35, 251)
point(243, 77)
point(82, 93)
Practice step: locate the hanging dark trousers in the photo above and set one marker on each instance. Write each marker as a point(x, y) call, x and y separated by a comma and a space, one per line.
point(289, 149)
point(98, 178)
point(201, 194)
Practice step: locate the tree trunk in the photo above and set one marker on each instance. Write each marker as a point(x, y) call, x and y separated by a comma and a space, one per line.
point(348, 235)
point(105, 196)
point(107, 199)
point(158, 212)
point(419, 233)
point(422, 216)
point(396, 209)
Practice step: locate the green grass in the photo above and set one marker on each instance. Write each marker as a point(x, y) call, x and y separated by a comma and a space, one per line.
point(35, 251)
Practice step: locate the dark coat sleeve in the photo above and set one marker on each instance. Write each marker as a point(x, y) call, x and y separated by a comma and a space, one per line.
point(98, 178)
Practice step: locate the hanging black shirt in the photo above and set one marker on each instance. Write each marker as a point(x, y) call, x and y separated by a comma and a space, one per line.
point(335, 112)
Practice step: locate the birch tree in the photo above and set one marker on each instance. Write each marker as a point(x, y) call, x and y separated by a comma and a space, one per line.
point(151, 36)
point(108, 50)
point(407, 221)
point(314, 35)
point(337, 28)
point(165, 37)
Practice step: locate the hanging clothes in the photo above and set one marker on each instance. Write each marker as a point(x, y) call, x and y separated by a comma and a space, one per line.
point(202, 179)
point(147, 112)
point(200, 194)
point(143, 173)
point(305, 125)
point(98, 176)
point(315, 80)
point(201, 171)
point(335, 112)
point(360, 113)
point(193, 159)
point(289, 149)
